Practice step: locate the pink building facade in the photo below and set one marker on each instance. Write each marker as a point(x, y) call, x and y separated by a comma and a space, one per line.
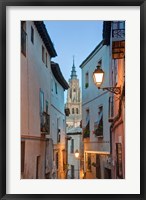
point(114, 36)
point(37, 136)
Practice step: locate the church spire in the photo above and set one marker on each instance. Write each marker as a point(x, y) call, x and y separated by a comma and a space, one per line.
point(73, 72)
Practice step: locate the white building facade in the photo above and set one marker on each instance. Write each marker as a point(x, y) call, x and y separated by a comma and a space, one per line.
point(58, 125)
point(74, 144)
point(114, 37)
point(96, 134)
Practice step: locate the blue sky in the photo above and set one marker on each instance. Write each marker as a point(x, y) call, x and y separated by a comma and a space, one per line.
point(73, 38)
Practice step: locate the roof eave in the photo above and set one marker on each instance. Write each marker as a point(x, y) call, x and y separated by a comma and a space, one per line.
point(58, 75)
point(45, 37)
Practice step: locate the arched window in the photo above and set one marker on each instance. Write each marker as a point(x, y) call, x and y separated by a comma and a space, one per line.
point(72, 110)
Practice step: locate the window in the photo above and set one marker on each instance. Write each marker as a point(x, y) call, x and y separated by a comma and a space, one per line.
point(89, 161)
point(46, 59)
point(58, 131)
point(77, 110)
point(111, 107)
point(72, 110)
point(98, 125)
point(56, 88)
point(98, 169)
point(41, 108)
point(52, 82)
point(41, 101)
point(119, 25)
point(72, 146)
point(22, 156)
point(23, 38)
point(70, 94)
point(32, 35)
point(86, 131)
point(115, 72)
point(37, 166)
point(63, 124)
point(99, 130)
point(72, 171)
point(87, 116)
point(47, 106)
point(87, 80)
point(43, 54)
point(57, 163)
point(58, 135)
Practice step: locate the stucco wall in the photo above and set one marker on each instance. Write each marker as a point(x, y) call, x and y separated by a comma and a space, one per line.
point(35, 75)
point(72, 160)
point(93, 98)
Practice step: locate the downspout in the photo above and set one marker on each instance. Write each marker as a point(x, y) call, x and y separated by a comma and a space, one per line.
point(117, 117)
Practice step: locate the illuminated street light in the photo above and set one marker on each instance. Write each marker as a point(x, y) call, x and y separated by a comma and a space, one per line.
point(77, 153)
point(78, 159)
point(98, 76)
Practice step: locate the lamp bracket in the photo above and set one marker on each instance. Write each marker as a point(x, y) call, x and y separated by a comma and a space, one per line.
point(115, 90)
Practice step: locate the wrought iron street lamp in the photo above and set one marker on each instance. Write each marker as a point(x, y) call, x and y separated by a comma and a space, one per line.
point(98, 77)
point(77, 153)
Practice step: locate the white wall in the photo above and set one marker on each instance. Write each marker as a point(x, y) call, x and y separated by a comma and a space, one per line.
point(57, 111)
point(92, 98)
point(72, 160)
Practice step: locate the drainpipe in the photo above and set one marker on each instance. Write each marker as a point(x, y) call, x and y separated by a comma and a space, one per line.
point(117, 117)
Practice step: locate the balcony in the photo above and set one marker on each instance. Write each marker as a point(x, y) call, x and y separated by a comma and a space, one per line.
point(45, 123)
point(118, 34)
point(86, 131)
point(118, 31)
point(98, 128)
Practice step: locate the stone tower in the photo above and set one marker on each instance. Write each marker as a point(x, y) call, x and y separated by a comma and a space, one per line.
point(73, 100)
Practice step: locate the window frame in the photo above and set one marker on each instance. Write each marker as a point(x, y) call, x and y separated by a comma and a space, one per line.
point(32, 35)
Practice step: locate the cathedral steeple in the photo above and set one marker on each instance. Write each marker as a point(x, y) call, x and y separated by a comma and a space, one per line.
point(73, 72)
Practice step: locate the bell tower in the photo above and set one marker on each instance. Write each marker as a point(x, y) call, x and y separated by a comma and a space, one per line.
point(73, 100)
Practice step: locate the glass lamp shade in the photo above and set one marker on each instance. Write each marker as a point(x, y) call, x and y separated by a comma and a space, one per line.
point(76, 153)
point(98, 76)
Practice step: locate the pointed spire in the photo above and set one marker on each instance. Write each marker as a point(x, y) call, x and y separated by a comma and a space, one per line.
point(73, 72)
